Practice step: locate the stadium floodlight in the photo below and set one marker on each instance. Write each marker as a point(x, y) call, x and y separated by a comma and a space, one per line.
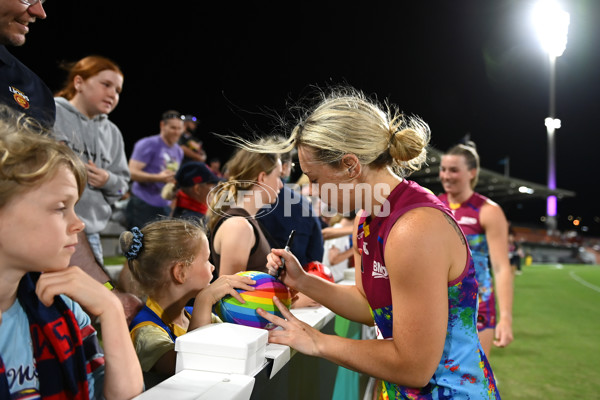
point(526, 190)
point(552, 26)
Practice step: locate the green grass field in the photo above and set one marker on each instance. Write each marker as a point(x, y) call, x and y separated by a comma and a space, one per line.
point(556, 325)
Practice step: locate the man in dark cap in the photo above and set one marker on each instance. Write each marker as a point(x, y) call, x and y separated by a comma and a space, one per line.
point(194, 182)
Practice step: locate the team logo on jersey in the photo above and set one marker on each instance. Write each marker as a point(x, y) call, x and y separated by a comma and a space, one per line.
point(20, 97)
point(467, 221)
point(367, 230)
point(379, 270)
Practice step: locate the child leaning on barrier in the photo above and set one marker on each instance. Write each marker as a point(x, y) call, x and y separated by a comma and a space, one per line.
point(169, 259)
point(48, 347)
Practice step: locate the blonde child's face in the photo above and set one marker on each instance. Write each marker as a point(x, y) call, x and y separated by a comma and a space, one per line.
point(38, 229)
point(201, 269)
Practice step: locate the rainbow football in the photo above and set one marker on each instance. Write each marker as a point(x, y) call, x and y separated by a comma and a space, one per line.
point(229, 309)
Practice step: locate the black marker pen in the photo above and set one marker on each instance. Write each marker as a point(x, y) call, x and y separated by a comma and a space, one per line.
point(287, 248)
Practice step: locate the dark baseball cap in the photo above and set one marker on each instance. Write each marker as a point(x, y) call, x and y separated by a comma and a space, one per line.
point(194, 172)
point(189, 117)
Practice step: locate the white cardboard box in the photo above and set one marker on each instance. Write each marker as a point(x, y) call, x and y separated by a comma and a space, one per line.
point(224, 347)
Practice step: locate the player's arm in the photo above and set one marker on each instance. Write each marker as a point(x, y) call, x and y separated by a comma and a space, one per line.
point(496, 231)
point(419, 284)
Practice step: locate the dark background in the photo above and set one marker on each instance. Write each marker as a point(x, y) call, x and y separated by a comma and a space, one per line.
point(465, 66)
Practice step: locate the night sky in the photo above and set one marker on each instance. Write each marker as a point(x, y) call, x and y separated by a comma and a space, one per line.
point(466, 67)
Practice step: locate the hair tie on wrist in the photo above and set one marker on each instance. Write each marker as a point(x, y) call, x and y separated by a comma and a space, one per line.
point(136, 246)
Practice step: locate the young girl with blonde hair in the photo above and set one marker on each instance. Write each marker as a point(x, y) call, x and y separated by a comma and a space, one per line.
point(169, 259)
point(46, 339)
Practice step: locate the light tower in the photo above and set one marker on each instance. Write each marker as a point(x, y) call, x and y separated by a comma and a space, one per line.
point(552, 25)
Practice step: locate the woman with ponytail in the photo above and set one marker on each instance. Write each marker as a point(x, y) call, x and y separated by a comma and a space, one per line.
point(415, 279)
point(485, 225)
point(237, 240)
